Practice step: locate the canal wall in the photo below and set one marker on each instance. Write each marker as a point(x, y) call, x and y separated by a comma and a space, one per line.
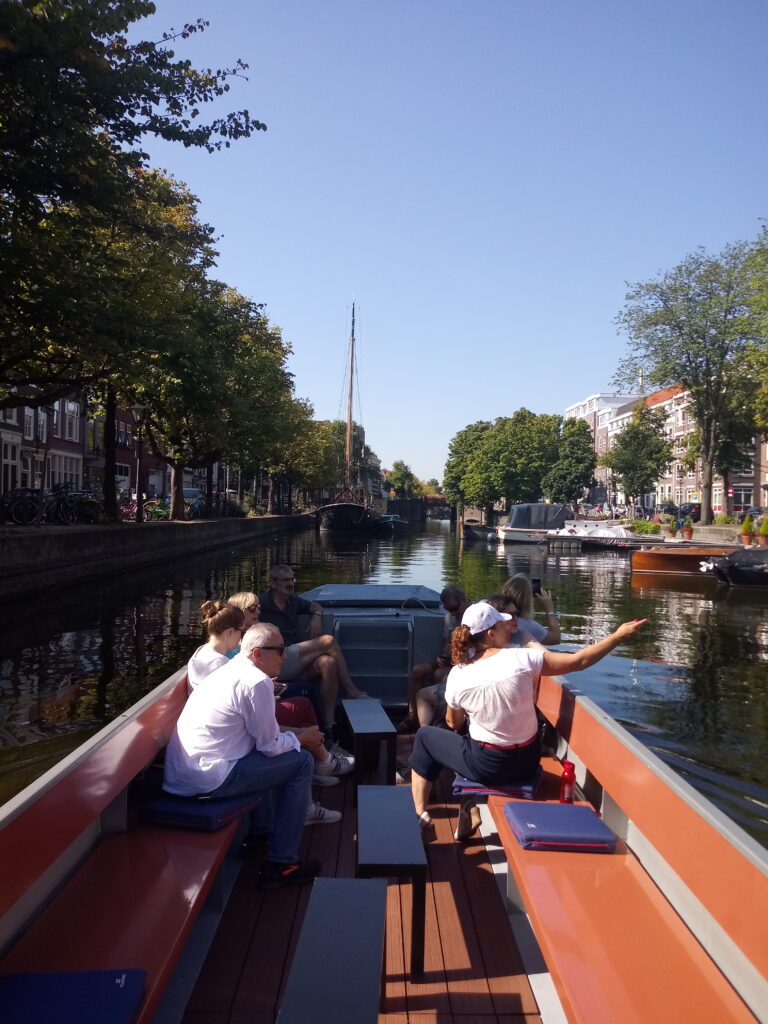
point(35, 558)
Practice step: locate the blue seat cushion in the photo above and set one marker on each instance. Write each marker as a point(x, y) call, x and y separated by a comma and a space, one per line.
point(523, 790)
point(200, 814)
point(572, 827)
point(72, 997)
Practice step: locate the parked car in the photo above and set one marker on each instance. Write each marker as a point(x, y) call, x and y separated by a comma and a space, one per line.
point(667, 508)
point(751, 512)
point(692, 509)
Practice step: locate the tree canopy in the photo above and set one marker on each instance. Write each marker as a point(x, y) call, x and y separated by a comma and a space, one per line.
point(691, 327)
point(640, 452)
point(77, 99)
point(572, 472)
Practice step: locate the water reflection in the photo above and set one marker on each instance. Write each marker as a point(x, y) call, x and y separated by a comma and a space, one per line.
point(695, 686)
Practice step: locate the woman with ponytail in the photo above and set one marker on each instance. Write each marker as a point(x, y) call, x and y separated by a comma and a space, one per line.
point(493, 687)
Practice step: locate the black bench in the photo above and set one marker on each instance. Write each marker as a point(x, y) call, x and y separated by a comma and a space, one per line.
point(389, 845)
point(371, 724)
point(347, 916)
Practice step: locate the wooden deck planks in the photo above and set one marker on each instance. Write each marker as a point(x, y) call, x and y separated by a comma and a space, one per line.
point(473, 973)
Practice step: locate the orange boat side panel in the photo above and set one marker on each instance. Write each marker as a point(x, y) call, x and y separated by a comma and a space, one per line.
point(730, 886)
point(616, 950)
point(33, 840)
point(164, 871)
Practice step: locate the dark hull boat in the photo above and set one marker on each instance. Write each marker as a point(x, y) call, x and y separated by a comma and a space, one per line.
point(743, 568)
point(347, 516)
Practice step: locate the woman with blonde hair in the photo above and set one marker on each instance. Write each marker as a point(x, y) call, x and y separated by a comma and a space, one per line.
point(493, 687)
point(519, 588)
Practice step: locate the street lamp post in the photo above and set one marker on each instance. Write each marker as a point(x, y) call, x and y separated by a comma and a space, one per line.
point(137, 411)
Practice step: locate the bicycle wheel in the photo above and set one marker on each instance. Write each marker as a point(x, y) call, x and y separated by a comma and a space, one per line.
point(66, 512)
point(23, 511)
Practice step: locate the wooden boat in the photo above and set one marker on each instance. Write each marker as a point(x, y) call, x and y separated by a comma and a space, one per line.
point(676, 559)
point(671, 927)
point(742, 568)
point(392, 524)
point(530, 522)
point(347, 512)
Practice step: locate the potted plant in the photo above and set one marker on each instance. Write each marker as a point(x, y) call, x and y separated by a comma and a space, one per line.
point(762, 533)
point(669, 523)
point(746, 531)
point(687, 528)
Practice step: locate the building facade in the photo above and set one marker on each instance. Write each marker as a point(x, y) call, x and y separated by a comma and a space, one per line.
point(607, 415)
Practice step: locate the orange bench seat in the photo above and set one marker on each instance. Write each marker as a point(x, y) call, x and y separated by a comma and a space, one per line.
point(614, 946)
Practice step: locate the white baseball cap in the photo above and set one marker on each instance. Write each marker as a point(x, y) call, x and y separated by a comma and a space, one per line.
point(481, 616)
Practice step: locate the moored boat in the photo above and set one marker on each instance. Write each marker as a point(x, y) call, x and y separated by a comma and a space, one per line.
point(742, 568)
point(529, 523)
point(392, 524)
point(676, 559)
point(350, 511)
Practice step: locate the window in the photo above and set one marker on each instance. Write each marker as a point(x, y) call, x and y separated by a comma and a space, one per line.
point(57, 419)
point(42, 425)
point(12, 416)
point(121, 434)
point(72, 410)
point(10, 466)
point(128, 437)
point(29, 427)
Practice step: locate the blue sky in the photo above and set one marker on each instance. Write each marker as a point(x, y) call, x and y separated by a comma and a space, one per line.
point(483, 175)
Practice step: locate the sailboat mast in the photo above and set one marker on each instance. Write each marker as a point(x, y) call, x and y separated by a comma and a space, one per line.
point(348, 445)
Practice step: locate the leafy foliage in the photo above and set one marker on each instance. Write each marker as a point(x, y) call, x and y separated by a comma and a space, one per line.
point(640, 452)
point(463, 446)
point(691, 327)
point(572, 472)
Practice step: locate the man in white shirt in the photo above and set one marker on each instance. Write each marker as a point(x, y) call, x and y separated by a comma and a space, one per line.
point(227, 743)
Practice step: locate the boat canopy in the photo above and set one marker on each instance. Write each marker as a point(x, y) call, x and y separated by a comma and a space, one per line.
point(537, 515)
point(373, 595)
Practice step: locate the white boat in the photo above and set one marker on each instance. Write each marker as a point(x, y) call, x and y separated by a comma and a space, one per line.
point(529, 523)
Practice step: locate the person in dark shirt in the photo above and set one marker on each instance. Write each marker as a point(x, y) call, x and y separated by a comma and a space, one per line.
point(320, 655)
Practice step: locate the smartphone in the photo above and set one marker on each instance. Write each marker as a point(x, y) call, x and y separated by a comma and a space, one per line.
point(536, 586)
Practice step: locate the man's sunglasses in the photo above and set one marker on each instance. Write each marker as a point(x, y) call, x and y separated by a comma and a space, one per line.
point(280, 649)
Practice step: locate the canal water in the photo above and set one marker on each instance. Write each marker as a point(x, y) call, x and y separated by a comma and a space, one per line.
point(693, 685)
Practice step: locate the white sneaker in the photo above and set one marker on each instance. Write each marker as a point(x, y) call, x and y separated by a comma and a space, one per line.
point(337, 764)
point(317, 815)
point(339, 751)
point(324, 780)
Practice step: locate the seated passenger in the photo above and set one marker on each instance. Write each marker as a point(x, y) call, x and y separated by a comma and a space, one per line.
point(294, 714)
point(519, 588)
point(225, 627)
point(318, 656)
point(494, 688)
point(227, 743)
point(250, 606)
point(426, 681)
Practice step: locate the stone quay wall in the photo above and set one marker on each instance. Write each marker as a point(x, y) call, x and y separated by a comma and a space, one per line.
point(35, 558)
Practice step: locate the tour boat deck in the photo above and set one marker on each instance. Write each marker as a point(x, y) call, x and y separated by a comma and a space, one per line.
point(473, 972)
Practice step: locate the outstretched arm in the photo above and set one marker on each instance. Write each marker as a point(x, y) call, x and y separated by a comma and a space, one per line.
point(553, 626)
point(556, 663)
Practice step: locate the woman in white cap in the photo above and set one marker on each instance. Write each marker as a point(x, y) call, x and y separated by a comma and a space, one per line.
point(495, 688)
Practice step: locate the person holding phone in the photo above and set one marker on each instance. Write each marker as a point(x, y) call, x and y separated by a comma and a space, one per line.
point(520, 589)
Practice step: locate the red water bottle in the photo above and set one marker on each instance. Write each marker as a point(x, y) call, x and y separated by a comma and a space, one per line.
point(567, 783)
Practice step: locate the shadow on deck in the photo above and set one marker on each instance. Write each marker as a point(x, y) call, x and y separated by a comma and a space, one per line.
point(472, 971)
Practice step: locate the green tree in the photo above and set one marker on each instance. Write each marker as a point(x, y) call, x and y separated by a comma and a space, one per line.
point(640, 452)
point(77, 100)
point(512, 458)
point(573, 471)
point(692, 327)
point(403, 480)
point(462, 447)
point(757, 268)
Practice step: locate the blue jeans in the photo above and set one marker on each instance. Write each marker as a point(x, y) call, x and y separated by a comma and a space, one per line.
point(286, 778)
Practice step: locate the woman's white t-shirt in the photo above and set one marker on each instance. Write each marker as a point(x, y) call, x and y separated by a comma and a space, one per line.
point(204, 661)
point(498, 695)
